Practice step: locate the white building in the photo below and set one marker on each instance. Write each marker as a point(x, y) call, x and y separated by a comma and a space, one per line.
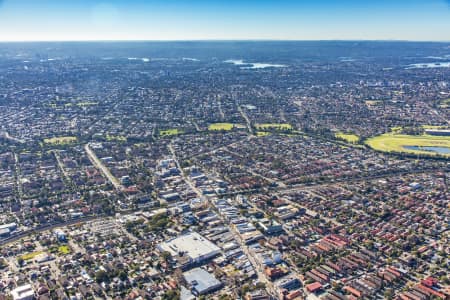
point(193, 245)
point(24, 292)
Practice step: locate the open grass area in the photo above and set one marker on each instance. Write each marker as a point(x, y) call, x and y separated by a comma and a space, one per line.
point(275, 126)
point(262, 133)
point(169, 132)
point(64, 249)
point(373, 102)
point(445, 103)
point(348, 137)
point(221, 126)
point(434, 127)
point(62, 140)
point(396, 129)
point(117, 138)
point(32, 255)
point(396, 142)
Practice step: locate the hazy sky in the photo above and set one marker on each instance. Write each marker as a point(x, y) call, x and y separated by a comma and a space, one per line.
point(231, 19)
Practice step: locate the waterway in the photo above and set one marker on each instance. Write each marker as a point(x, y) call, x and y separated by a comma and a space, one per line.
point(429, 65)
point(245, 65)
point(439, 150)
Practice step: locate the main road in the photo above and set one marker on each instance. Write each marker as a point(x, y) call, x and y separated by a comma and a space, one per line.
point(261, 276)
point(99, 165)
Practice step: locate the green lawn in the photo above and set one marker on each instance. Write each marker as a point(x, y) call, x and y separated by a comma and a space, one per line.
point(62, 140)
point(117, 138)
point(64, 249)
point(395, 142)
point(348, 137)
point(445, 103)
point(221, 126)
point(434, 127)
point(169, 132)
point(262, 133)
point(276, 126)
point(397, 129)
point(31, 255)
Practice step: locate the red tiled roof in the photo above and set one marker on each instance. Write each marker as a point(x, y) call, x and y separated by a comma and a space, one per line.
point(312, 287)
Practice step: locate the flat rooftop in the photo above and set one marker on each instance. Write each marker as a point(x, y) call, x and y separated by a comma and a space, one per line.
point(202, 281)
point(192, 244)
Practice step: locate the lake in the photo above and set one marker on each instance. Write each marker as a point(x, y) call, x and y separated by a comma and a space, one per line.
point(245, 65)
point(429, 65)
point(439, 150)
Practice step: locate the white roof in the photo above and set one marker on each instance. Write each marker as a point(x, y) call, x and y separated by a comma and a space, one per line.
point(193, 244)
point(23, 292)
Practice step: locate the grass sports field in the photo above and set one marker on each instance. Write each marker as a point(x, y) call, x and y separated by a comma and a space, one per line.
point(169, 132)
point(397, 142)
point(224, 126)
point(117, 138)
point(62, 140)
point(32, 255)
point(276, 126)
point(348, 137)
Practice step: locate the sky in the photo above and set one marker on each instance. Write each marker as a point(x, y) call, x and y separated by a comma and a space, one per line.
point(84, 20)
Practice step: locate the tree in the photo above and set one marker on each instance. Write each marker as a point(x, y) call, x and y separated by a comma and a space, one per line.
point(388, 294)
point(20, 261)
point(3, 263)
point(171, 295)
point(123, 276)
point(101, 276)
point(165, 256)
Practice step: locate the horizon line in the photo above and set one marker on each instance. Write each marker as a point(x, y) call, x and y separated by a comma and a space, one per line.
point(222, 40)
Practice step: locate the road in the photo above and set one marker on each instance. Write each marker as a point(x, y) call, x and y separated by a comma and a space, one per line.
point(213, 151)
point(247, 120)
point(18, 175)
point(245, 249)
point(11, 138)
point(222, 114)
point(309, 211)
point(60, 165)
point(47, 227)
point(99, 165)
point(249, 170)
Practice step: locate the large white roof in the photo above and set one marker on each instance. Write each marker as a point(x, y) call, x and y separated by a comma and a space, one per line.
point(192, 244)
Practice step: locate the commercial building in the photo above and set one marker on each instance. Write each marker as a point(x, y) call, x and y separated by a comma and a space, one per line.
point(201, 281)
point(193, 245)
point(24, 292)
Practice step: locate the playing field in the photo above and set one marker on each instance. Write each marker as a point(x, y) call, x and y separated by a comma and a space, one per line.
point(117, 138)
point(32, 255)
point(398, 142)
point(276, 126)
point(169, 132)
point(62, 140)
point(348, 137)
point(221, 126)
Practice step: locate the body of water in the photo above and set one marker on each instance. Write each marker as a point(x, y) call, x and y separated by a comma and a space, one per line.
point(439, 150)
point(429, 65)
point(245, 65)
